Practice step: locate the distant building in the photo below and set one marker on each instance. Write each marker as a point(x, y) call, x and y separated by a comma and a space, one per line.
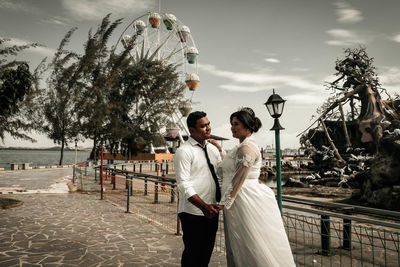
point(291, 155)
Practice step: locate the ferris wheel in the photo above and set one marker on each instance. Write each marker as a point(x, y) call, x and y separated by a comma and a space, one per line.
point(163, 37)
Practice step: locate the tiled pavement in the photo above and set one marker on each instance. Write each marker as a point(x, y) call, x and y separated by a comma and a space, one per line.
point(80, 230)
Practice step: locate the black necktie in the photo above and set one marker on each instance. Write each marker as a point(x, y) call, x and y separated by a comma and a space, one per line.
point(218, 189)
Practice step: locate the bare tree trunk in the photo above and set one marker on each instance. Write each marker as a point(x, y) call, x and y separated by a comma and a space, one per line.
point(370, 115)
point(93, 154)
point(346, 134)
point(352, 108)
point(331, 142)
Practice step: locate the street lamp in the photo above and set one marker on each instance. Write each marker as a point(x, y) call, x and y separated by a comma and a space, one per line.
point(275, 105)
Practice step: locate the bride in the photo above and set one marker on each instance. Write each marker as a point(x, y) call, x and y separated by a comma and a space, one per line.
point(254, 231)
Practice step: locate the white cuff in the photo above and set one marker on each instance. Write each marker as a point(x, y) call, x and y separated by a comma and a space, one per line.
point(228, 203)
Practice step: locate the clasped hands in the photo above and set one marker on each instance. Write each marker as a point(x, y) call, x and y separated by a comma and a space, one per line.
point(211, 210)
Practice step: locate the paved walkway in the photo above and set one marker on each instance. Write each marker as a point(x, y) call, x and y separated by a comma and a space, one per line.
point(81, 230)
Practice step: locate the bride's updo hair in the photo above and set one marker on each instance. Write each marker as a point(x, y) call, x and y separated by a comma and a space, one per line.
point(248, 118)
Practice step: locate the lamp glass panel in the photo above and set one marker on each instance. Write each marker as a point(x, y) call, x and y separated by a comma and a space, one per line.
point(270, 108)
point(275, 104)
point(279, 108)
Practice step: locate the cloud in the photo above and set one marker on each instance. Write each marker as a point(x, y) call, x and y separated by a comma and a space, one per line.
point(296, 69)
point(28, 7)
point(55, 21)
point(341, 33)
point(243, 88)
point(262, 52)
point(255, 82)
point(396, 38)
point(97, 9)
point(306, 99)
point(18, 6)
point(347, 14)
point(39, 50)
point(390, 79)
point(272, 60)
point(342, 37)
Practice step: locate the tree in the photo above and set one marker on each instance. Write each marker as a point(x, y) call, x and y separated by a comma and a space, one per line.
point(17, 94)
point(121, 99)
point(141, 103)
point(91, 80)
point(60, 123)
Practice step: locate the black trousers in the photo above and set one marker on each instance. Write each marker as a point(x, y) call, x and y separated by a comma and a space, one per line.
point(199, 239)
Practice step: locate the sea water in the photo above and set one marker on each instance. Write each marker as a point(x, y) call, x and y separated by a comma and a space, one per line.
point(37, 180)
point(39, 157)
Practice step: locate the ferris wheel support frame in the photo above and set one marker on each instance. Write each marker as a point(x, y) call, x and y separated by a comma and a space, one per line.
point(177, 119)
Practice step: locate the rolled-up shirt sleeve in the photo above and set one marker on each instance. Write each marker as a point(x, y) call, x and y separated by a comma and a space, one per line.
point(182, 165)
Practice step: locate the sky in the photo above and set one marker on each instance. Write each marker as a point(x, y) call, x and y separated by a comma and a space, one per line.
point(246, 48)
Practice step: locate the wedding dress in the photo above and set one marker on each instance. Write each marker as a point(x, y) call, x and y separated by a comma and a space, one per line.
point(254, 231)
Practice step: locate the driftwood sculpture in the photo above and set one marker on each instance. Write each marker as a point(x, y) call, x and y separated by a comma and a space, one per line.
point(360, 89)
point(354, 128)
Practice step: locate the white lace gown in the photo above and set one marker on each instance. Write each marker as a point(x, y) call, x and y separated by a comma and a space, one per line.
point(254, 231)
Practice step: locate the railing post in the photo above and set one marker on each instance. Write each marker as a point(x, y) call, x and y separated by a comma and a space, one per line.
point(156, 188)
point(73, 174)
point(140, 168)
point(134, 167)
point(172, 193)
point(178, 221)
point(167, 167)
point(113, 177)
point(145, 186)
point(325, 235)
point(155, 193)
point(131, 186)
point(347, 232)
point(128, 195)
point(101, 172)
point(162, 179)
point(81, 180)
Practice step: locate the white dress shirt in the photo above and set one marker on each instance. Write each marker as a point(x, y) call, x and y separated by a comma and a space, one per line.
point(193, 175)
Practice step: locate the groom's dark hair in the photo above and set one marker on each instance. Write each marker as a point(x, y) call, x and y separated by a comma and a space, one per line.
point(193, 117)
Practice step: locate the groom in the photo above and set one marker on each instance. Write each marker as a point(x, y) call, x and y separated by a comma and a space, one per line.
point(198, 191)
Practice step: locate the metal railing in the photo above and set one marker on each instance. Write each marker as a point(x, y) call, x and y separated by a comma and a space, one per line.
point(328, 234)
point(323, 238)
point(144, 188)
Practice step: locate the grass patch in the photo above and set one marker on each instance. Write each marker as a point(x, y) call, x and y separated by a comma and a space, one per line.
point(7, 203)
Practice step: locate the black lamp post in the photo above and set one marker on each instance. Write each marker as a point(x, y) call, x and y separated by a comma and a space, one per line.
point(275, 105)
